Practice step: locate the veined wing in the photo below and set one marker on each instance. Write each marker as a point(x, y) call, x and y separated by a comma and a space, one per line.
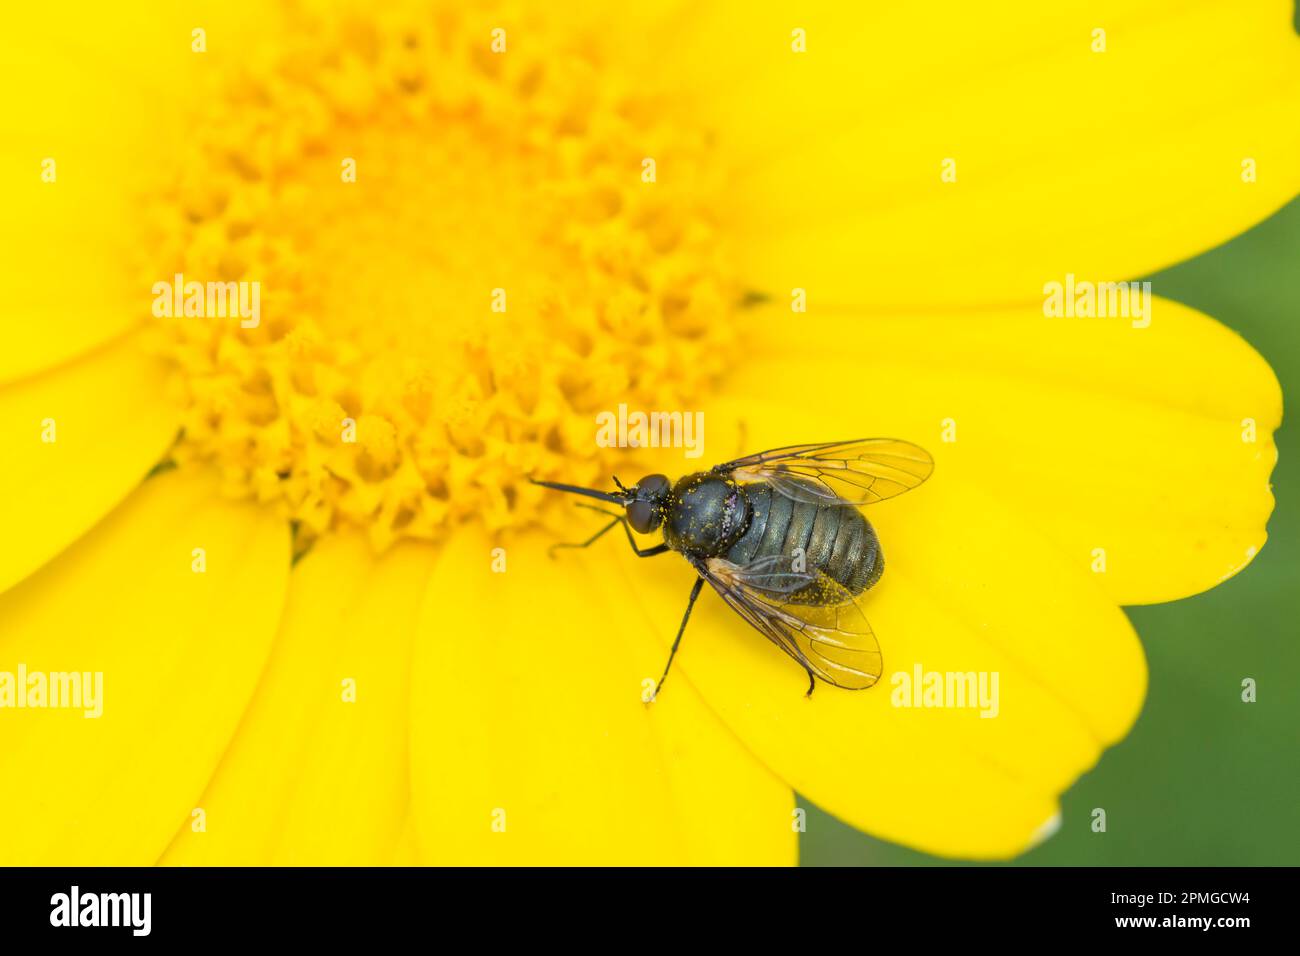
point(809, 615)
point(859, 471)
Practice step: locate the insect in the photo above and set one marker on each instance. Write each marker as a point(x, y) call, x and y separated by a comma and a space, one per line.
point(779, 536)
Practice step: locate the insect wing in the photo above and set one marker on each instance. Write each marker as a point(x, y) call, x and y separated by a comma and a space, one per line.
point(861, 471)
point(811, 617)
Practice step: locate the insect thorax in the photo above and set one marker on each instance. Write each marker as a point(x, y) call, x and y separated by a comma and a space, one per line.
point(706, 515)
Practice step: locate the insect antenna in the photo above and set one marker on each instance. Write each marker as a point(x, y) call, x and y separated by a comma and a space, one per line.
point(616, 497)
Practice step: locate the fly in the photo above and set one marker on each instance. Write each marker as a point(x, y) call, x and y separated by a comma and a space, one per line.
point(779, 536)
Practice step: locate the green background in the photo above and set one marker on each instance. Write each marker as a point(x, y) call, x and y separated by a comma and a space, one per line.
point(1202, 779)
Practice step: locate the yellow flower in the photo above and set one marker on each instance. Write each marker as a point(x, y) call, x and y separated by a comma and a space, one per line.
point(471, 231)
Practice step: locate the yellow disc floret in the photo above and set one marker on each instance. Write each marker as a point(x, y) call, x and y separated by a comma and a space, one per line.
point(467, 239)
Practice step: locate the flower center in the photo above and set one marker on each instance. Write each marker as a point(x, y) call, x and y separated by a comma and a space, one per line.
point(466, 241)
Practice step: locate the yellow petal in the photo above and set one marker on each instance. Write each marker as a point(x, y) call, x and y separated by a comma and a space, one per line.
point(77, 439)
point(531, 743)
point(1146, 451)
point(179, 653)
point(969, 587)
point(103, 92)
point(406, 851)
point(324, 745)
point(1105, 164)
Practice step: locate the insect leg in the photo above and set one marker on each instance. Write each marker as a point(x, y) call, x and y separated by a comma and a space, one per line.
point(618, 519)
point(812, 682)
point(695, 592)
point(647, 552)
point(551, 550)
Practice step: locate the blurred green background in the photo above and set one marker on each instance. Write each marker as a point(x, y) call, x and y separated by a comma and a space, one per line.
point(1203, 779)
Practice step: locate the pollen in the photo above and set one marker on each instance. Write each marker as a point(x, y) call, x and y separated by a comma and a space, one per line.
point(471, 233)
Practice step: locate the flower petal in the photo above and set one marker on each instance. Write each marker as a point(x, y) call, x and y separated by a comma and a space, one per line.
point(179, 653)
point(1152, 446)
point(1105, 164)
point(100, 103)
point(406, 850)
point(531, 743)
point(77, 439)
point(327, 758)
point(969, 587)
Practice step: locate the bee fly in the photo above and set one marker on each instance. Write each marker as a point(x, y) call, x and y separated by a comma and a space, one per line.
point(780, 538)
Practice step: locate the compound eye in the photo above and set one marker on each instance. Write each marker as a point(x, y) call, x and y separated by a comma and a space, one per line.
point(642, 516)
point(651, 486)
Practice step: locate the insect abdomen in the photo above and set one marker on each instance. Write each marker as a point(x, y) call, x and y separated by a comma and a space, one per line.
point(835, 539)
